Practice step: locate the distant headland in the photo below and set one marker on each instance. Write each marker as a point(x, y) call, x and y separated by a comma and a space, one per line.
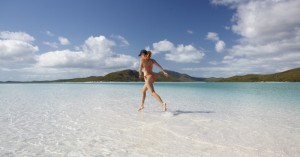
point(292, 75)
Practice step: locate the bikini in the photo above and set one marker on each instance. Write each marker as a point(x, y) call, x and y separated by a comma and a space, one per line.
point(149, 68)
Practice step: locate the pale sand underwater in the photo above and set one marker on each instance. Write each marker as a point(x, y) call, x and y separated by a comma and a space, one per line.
point(203, 119)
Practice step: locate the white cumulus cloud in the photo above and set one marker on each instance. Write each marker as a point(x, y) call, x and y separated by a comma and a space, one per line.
point(63, 41)
point(95, 53)
point(63, 58)
point(180, 53)
point(16, 47)
point(269, 33)
point(212, 36)
point(265, 39)
point(219, 44)
point(96, 56)
point(17, 36)
point(163, 45)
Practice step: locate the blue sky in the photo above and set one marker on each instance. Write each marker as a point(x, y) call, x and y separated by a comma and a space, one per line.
point(42, 40)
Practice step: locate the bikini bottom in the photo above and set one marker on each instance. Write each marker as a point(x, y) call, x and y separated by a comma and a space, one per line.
point(152, 79)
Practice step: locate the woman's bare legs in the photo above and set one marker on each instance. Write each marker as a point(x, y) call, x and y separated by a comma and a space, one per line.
point(149, 86)
point(144, 89)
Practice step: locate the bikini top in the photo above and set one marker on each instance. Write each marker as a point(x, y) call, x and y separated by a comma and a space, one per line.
point(149, 67)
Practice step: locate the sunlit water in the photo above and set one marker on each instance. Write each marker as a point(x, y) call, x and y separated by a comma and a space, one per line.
point(101, 119)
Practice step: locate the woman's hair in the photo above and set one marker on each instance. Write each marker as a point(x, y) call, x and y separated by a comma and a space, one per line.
point(148, 54)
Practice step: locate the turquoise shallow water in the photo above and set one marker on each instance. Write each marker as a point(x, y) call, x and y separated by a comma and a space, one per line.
point(100, 119)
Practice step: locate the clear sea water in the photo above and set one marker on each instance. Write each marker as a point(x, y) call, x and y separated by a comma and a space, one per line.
point(101, 119)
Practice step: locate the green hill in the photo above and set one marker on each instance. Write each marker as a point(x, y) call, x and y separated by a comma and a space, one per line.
point(133, 76)
point(122, 76)
point(86, 79)
point(292, 75)
point(176, 77)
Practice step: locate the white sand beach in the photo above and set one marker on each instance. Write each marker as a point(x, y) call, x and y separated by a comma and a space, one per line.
point(99, 120)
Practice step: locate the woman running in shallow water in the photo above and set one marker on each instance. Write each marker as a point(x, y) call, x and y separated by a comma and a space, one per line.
point(146, 64)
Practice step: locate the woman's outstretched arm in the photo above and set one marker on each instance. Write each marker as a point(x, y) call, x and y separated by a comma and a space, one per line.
point(161, 69)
